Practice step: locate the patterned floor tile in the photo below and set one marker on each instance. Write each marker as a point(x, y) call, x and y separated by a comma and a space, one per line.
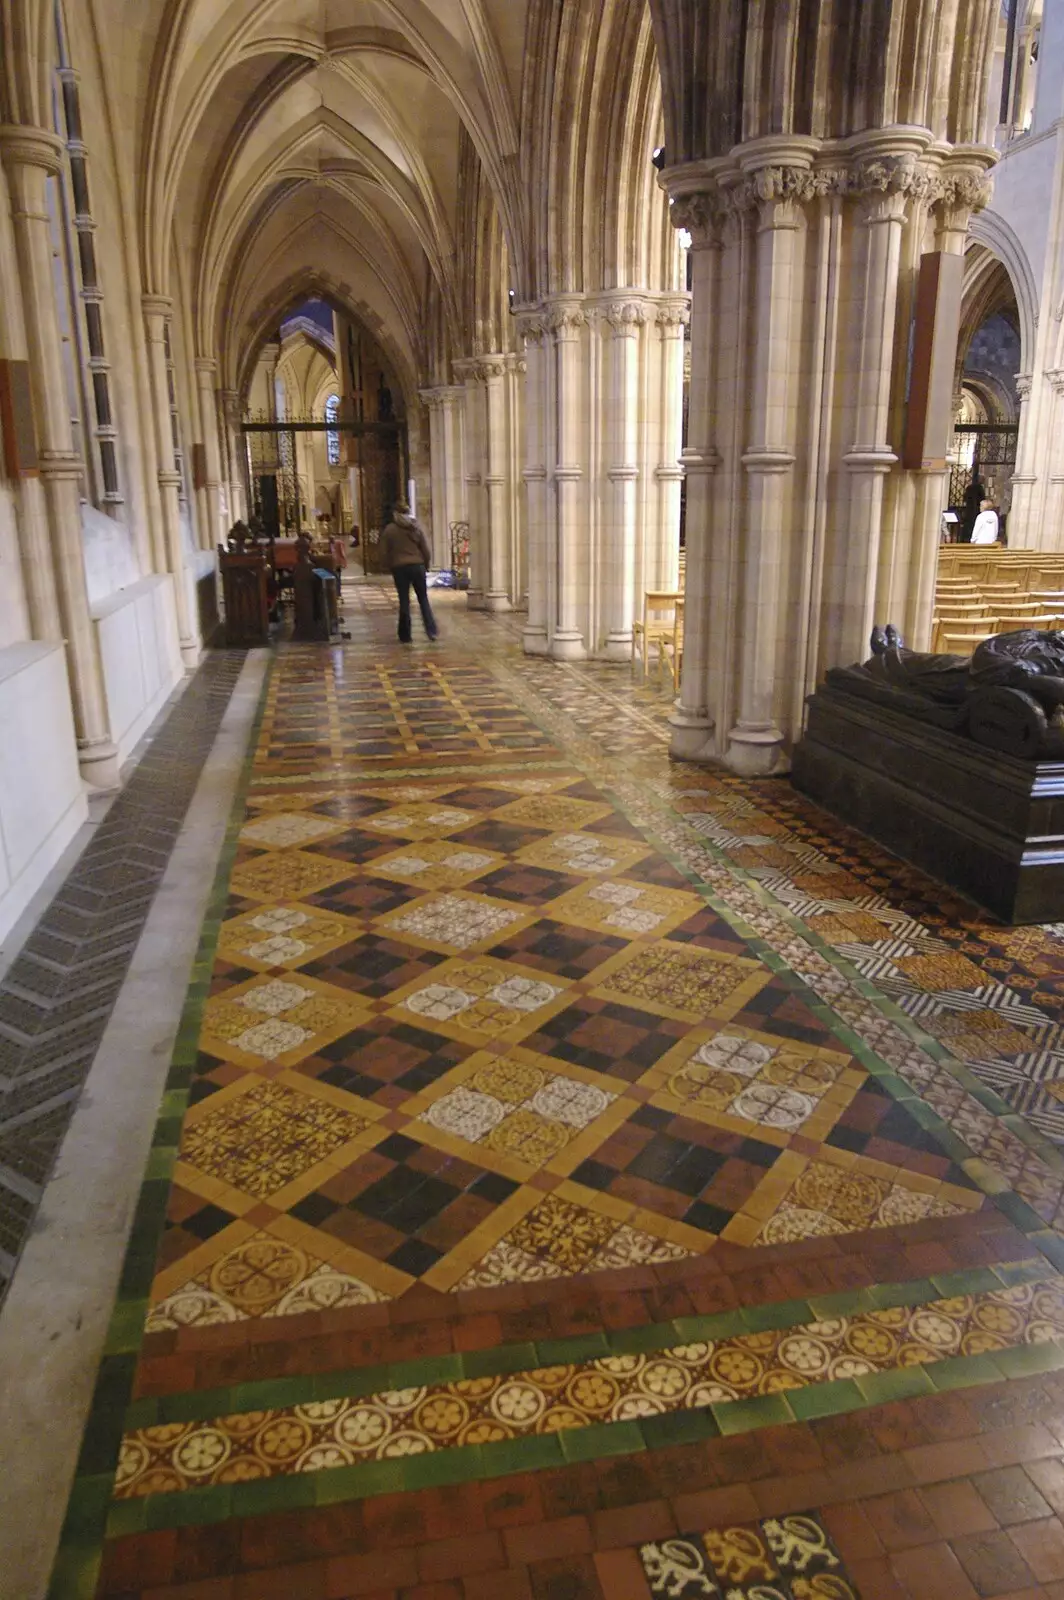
point(787, 1558)
point(342, 1430)
point(501, 1030)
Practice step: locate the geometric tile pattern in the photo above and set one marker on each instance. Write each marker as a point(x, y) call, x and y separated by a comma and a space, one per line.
point(332, 1432)
point(57, 996)
point(544, 1079)
point(471, 1029)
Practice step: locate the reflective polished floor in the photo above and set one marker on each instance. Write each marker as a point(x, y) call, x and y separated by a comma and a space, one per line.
point(579, 1176)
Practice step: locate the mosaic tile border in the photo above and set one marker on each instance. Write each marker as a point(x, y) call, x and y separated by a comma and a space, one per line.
point(560, 1385)
point(81, 1540)
point(537, 1451)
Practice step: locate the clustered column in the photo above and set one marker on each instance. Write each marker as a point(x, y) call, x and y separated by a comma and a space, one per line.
point(57, 594)
point(798, 363)
point(157, 311)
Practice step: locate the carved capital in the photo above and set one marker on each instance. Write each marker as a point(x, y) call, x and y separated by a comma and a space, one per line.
point(700, 215)
point(488, 369)
point(206, 365)
point(625, 317)
point(673, 316)
point(531, 327)
point(565, 322)
point(1023, 382)
point(1056, 379)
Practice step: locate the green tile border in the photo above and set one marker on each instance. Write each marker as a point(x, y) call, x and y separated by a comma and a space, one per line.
point(76, 1569)
point(540, 1452)
point(203, 1405)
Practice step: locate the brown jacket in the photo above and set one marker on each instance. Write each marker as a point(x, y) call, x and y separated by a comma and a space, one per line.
point(404, 543)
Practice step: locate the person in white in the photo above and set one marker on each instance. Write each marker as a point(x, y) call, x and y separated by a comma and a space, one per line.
point(986, 525)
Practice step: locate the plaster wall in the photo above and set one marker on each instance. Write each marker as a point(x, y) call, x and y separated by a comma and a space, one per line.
point(42, 798)
point(140, 655)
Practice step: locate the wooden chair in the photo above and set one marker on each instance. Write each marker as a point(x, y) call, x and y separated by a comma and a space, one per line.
point(1025, 619)
point(960, 644)
point(943, 626)
point(672, 648)
point(659, 620)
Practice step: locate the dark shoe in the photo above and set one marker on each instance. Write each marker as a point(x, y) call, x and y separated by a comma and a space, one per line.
point(433, 637)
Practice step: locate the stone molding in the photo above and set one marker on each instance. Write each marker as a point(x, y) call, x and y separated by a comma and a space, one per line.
point(61, 466)
point(534, 474)
point(700, 463)
point(767, 460)
point(884, 182)
point(25, 146)
point(157, 308)
point(622, 474)
point(206, 364)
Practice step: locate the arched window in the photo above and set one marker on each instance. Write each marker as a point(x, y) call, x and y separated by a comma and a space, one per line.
point(80, 297)
point(332, 438)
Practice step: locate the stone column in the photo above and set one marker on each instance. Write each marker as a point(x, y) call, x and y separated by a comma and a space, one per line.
point(58, 599)
point(662, 558)
point(755, 743)
point(491, 371)
point(692, 724)
point(437, 469)
point(1023, 486)
point(474, 432)
point(567, 321)
point(535, 635)
point(1053, 403)
point(234, 453)
point(34, 541)
point(626, 320)
point(206, 369)
point(882, 186)
point(516, 372)
point(157, 310)
point(952, 194)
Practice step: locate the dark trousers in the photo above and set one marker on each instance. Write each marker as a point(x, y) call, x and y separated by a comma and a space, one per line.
point(407, 578)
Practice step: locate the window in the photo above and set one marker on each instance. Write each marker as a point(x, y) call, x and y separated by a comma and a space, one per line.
point(80, 296)
point(332, 438)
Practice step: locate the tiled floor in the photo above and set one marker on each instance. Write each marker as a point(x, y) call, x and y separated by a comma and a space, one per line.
point(579, 1177)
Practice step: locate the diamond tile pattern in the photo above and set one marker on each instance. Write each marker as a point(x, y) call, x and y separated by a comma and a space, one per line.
point(505, 1009)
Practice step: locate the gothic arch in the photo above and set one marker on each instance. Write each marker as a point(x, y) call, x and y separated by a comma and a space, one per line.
point(999, 242)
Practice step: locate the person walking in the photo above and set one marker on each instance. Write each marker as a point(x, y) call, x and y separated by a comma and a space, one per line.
point(406, 553)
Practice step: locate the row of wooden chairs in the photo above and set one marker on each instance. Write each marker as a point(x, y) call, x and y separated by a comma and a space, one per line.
point(983, 590)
